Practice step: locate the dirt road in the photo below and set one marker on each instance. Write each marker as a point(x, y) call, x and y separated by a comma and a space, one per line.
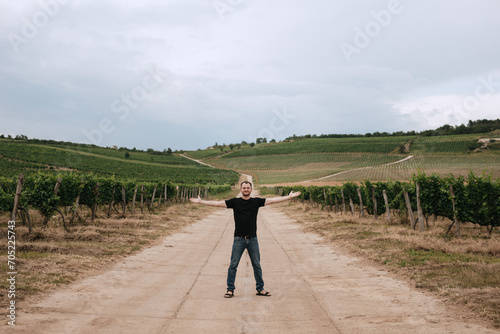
point(178, 287)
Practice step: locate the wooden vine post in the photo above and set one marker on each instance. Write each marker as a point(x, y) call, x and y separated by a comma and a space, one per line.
point(124, 198)
point(352, 205)
point(133, 199)
point(142, 198)
point(375, 209)
point(165, 198)
point(421, 221)
point(77, 202)
point(387, 209)
point(19, 188)
point(324, 196)
point(343, 200)
point(94, 206)
point(361, 207)
point(409, 209)
point(455, 220)
point(153, 198)
point(111, 202)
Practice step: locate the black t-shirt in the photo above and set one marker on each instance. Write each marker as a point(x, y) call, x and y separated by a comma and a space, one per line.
point(245, 215)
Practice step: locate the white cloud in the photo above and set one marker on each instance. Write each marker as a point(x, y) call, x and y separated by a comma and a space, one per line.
point(235, 67)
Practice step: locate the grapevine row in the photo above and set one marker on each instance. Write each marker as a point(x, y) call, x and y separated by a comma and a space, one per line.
point(47, 193)
point(472, 199)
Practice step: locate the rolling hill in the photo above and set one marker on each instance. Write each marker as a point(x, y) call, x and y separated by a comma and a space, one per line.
point(332, 160)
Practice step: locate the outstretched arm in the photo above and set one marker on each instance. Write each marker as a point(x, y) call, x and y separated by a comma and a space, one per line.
point(198, 200)
point(282, 198)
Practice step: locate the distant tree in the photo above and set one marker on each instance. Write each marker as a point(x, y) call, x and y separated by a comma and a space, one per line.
point(127, 155)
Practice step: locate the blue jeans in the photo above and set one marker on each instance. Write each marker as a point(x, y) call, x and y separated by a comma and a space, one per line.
point(239, 246)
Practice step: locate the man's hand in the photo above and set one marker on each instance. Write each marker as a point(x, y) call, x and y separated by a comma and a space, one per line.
point(273, 200)
point(195, 199)
point(198, 200)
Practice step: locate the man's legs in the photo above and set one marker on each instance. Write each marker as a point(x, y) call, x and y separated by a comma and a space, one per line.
point(239, 245)
point(254, 253)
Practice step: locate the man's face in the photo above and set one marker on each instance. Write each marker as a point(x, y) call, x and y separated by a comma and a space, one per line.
point(246, 189)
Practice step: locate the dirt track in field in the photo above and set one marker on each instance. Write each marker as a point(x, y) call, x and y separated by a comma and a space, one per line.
point(178, 287)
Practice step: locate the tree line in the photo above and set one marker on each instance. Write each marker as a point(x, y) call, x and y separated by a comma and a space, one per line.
point(472, 127)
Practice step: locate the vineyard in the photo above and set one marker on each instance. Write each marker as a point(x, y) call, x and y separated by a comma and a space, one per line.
point(397, 200)
point(336, 160)
point(68, 194)
point(326, 145)
point(77, 175)
point(475, 199)
point(20, 157)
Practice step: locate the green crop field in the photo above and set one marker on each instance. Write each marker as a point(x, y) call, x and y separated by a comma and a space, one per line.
point(325, 145)
point(358, 159)
point(300, 167)
point(22, 157)
point(444, 144)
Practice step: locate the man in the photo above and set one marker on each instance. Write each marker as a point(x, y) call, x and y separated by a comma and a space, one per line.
point(245, 209)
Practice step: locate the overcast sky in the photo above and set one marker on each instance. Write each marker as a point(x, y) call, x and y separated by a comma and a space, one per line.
point(185, 74)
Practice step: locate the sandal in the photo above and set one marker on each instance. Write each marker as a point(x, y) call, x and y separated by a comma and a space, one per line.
point(229, 294)
point(266, 294)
